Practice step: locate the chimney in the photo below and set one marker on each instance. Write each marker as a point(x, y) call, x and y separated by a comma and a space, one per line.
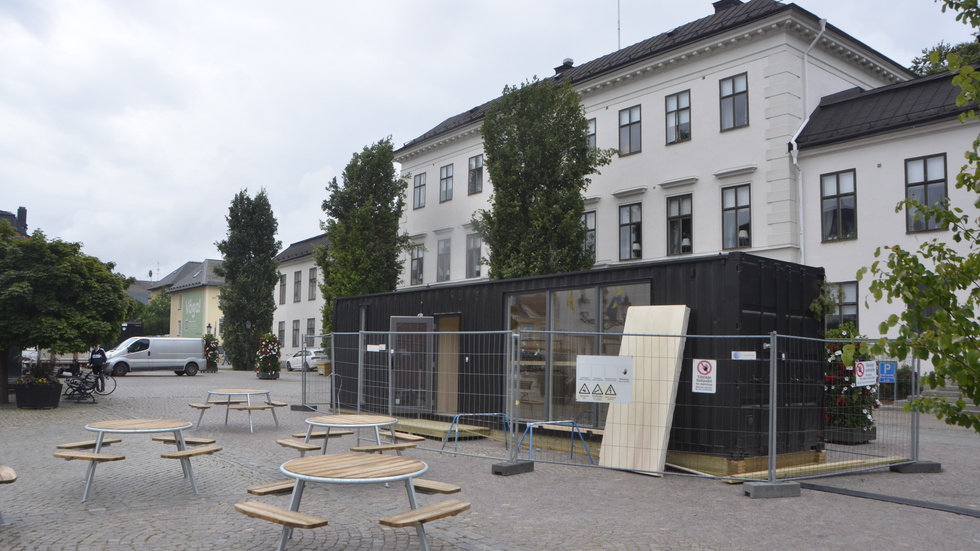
point(22, 220)
point(565, 65)
point(722, 5)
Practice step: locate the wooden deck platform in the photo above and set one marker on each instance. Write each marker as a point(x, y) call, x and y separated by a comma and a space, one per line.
point(437, 429)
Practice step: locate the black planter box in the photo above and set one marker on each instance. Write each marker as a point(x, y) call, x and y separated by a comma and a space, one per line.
point(38, 396)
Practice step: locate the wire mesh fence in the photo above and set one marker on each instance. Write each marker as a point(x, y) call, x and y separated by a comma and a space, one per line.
point(742, 407)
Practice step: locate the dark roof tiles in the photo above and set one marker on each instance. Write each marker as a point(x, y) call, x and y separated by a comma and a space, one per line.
point(855, 114)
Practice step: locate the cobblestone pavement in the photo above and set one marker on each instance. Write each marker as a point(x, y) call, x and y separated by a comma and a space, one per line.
point(143, 503)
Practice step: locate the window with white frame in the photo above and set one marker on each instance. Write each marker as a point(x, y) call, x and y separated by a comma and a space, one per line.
point(630, 136)
point(474, 244)
point(679, 224)
point(630, 232)
point(295, 333)
point(925, 183)
point(678, 117)
point(736, 217)
point(846, 304)
point(588, 220)
point(312, 291)
point(282, 288)
point(443, 251)
point(418, 191)
point(281, 333)
point(297, 285)
point(475, 176)
point(446, 183)
point(734, 101)
point(591, 133)
point(310, 327)
point(838, 206)
point(418, 255)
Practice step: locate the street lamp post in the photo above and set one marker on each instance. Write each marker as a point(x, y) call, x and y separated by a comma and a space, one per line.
point(209, 329)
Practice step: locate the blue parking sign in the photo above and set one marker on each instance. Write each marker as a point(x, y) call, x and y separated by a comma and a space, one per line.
point(886, 372)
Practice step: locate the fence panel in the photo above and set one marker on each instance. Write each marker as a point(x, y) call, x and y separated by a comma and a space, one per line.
point(743, 407)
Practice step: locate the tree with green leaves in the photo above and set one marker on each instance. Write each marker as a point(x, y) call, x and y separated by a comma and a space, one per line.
point(55, 297)
point(535, 138)
point(155, 316)
point(251, 273)
point(364, 242)
point(939, 282)
point(933, 60)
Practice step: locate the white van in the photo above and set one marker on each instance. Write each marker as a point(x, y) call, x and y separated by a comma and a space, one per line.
point(183, 356)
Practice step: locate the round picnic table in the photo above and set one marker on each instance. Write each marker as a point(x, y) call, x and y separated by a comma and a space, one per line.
point(350, 421)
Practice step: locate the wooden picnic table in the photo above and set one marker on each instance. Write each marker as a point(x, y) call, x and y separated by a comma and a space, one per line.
point(350, 421)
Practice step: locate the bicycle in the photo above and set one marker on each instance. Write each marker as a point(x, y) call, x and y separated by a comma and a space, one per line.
point(91, 382)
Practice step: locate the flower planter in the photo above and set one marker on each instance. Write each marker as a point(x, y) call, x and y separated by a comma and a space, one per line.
point(849, 435)
point(38, 396)
point(263, 375)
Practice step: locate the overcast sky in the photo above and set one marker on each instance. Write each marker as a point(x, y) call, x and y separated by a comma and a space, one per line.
point(130, 125)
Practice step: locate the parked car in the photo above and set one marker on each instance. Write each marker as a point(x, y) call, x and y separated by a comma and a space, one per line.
point(306, 360)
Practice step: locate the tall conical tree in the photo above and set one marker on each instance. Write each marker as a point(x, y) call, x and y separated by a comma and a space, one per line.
point(363, 254)
point(251, 274)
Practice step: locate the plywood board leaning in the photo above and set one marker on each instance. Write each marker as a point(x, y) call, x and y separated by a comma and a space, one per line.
point(636, 434)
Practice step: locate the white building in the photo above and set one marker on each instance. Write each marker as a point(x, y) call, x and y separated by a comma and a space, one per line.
point(299, 304)
point(705, 118)
point(861, 153)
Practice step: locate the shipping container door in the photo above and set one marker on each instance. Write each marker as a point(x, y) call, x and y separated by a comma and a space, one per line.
point(412, 364)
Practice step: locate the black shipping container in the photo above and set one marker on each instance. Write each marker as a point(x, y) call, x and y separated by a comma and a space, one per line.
point(735, 294)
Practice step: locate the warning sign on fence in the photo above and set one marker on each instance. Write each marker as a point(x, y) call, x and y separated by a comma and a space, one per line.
point(704, 376)
point(866, 373)
point(604, 379)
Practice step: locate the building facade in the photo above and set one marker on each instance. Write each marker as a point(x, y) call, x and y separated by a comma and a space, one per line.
point(707, 119)
point(299, 304)
point(194, 289)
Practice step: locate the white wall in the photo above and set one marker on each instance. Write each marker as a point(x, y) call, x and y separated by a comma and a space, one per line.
point(879, 164)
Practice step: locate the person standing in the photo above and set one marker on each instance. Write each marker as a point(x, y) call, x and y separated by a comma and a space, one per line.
point(97, 359)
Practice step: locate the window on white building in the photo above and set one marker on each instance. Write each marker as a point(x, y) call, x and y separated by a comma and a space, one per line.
point(591, 133)
point(312, 291)
point(838, 204)
point(678, 117)
point(297, 285)
point(846, 308)
point(418, 191)
point(282, 288)
point(588, 219)
point(736, 217)
point(734, 101)
point(281, 334)
point(630, 140)
point(630, 234)
point(446, 183)
point(475, 177)
point(444, 249)
point(925, 183)
point(418, 255)
point(295, 333)
point(474, 243)
point(679, 224)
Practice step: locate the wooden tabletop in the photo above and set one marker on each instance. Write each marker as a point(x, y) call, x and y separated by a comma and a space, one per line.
point(139, 425)
point(354, 467)
point(353, 420)
point(238, 391)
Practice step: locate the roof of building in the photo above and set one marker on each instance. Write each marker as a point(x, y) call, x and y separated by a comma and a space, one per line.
point(140, 290)
point(855, 113)
point(190, 275)
point(302, 248)
point(729, 14)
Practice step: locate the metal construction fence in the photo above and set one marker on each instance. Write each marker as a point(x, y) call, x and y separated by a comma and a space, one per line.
point(760, 407)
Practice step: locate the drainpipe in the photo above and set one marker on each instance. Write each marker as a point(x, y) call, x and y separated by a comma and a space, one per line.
point(794, 148)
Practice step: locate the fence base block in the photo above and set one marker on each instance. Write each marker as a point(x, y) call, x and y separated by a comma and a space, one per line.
point(756, 490)
point(513, 467)
point(918, 467)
